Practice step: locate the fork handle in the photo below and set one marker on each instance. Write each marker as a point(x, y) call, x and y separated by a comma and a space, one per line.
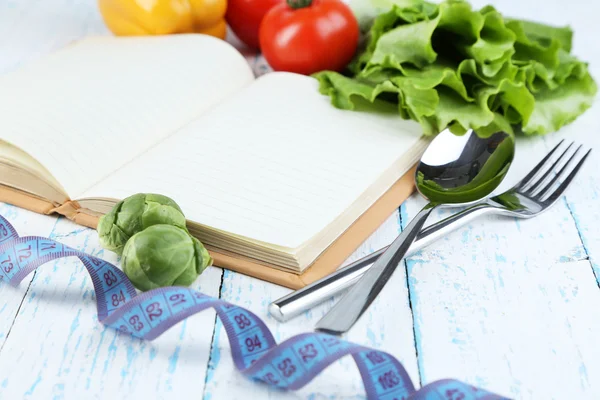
point(357, 300)
point(295, 303)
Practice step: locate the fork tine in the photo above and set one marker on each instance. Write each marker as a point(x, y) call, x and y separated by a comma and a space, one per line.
point(546, 174)
point(563, 186)
point(535, 170)
point(557, 175)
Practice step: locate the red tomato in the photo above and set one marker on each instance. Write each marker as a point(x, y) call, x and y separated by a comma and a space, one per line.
point(244, 18)
point(307, 37)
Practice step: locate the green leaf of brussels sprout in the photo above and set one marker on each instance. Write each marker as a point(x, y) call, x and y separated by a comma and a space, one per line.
point(164, 255)
point(133, 215)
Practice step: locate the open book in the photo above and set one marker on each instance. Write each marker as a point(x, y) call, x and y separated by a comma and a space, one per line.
point(272, 178)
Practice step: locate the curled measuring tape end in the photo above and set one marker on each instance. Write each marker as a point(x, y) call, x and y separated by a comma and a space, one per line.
point(289, 365)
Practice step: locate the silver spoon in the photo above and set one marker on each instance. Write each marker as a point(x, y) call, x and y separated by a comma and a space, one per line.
point(456, 170)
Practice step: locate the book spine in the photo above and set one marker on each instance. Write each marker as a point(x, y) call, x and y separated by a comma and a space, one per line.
point(72, 210)
point(25, 200)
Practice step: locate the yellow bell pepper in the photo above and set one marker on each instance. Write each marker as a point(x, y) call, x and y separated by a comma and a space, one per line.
point(161, 17)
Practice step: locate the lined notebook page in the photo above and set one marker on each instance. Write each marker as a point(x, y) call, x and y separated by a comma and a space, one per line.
point(276, 163)
point(90, 108)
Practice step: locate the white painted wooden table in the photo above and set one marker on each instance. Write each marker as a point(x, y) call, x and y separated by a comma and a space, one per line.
point(510, 306)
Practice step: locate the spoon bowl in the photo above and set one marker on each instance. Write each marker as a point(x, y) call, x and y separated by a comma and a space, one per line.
point(454, 170)
point(464, 169)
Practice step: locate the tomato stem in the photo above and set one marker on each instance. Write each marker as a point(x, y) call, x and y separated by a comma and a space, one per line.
point(296, 4)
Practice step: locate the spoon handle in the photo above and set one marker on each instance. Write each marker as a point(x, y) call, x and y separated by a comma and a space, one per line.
point(356, 301)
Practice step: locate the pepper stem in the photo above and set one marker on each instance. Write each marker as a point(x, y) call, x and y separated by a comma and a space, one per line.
point(296, 4)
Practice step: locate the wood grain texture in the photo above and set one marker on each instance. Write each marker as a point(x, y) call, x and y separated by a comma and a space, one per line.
point(583, 199)
point(507, 304)
point(504, 304)
point(387, 325)
point(58, 346)
point(26, 223)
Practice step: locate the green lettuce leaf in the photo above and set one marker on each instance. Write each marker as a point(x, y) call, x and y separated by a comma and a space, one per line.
point(449, 66)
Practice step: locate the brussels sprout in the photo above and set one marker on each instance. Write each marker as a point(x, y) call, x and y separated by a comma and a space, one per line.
point(164, 255)
point(133, 215)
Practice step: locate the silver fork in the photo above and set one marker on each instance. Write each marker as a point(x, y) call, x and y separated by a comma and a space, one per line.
point(531, 196)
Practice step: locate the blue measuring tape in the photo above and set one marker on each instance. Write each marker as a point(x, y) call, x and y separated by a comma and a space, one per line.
point(289, 365)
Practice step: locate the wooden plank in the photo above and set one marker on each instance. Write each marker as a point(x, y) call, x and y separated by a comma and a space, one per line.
point(27, 224)
point(583, 197)
point(58, 346)
point(507, 309)
point(504, 304)
point(31, 29)
point(387, 326)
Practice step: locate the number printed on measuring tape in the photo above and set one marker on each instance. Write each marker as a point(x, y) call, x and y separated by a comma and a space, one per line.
point(288, 365)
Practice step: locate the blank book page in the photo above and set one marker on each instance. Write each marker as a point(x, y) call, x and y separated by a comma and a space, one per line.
point(276, 163)
point(90, 108)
